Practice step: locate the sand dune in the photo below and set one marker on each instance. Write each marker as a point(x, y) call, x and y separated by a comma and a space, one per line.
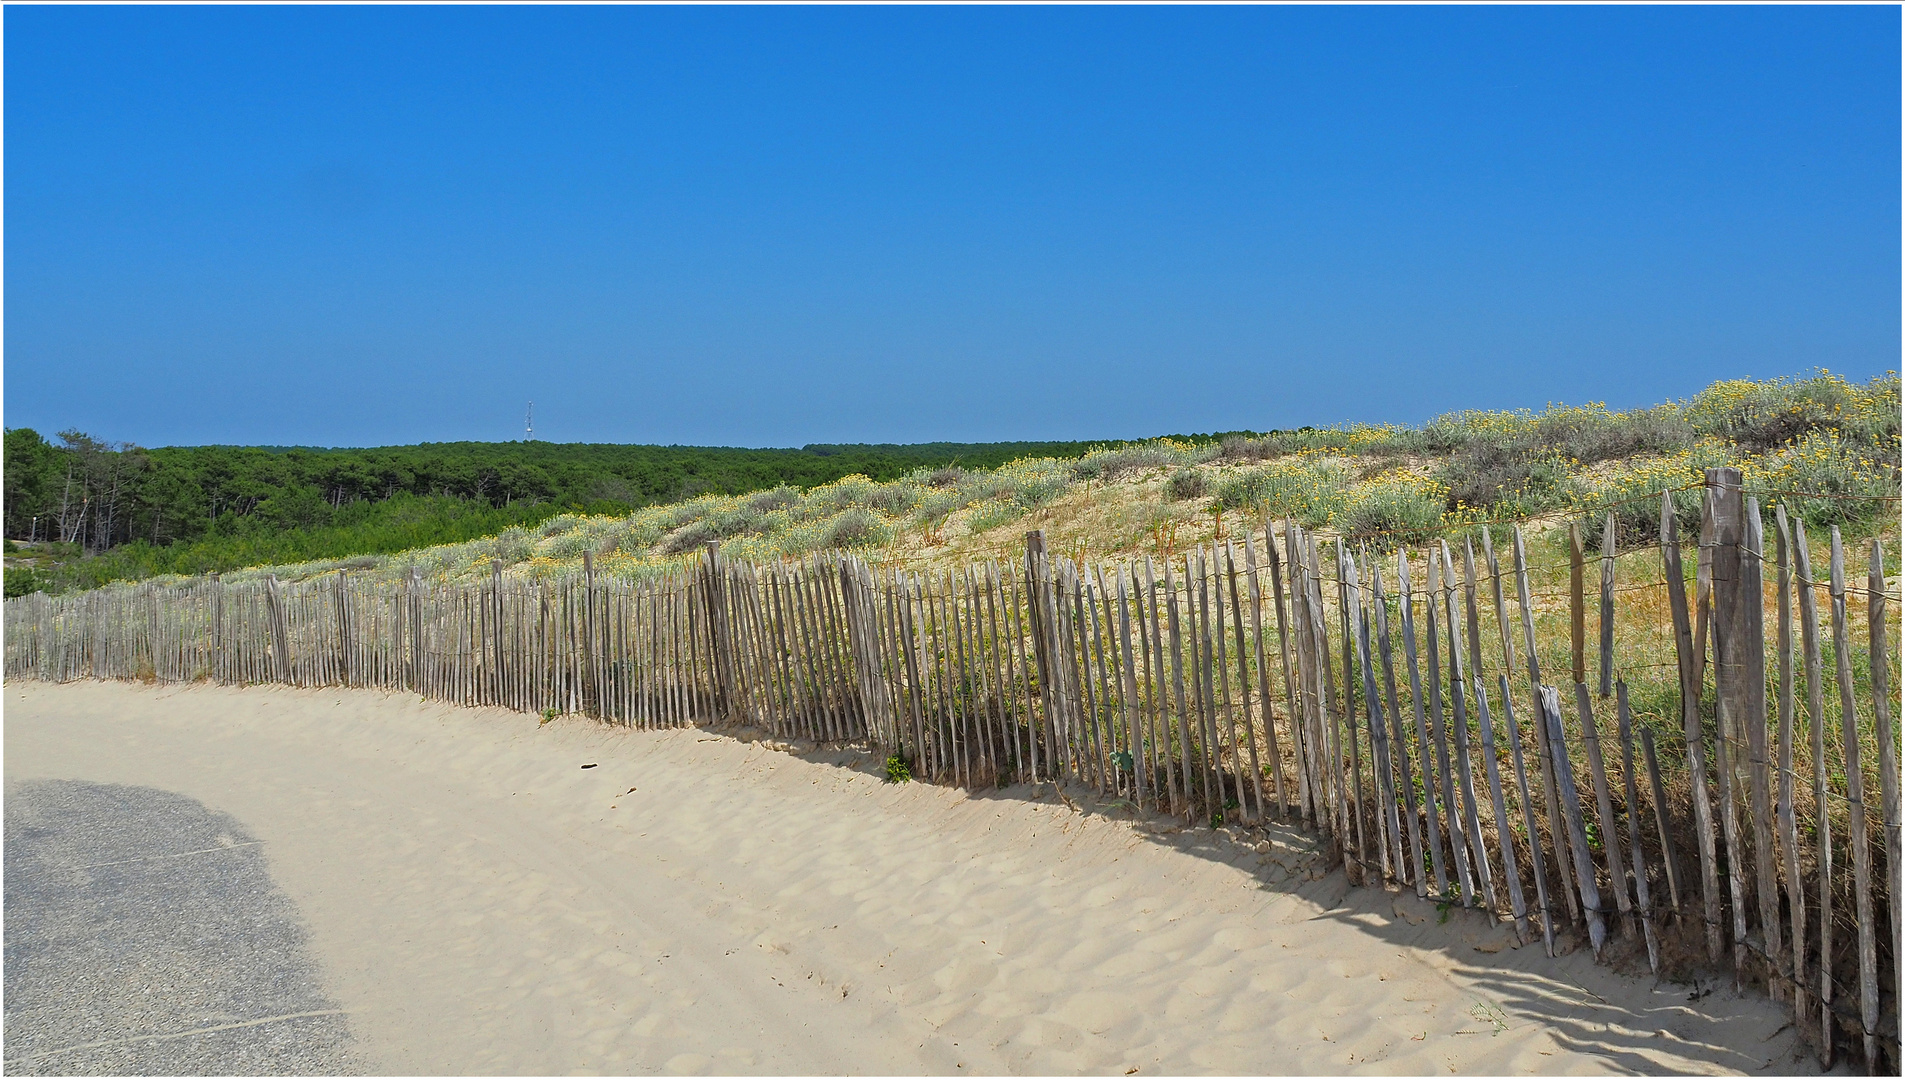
point(479, 902)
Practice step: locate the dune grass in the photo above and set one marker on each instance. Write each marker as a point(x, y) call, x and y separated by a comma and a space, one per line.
point(1831, 446)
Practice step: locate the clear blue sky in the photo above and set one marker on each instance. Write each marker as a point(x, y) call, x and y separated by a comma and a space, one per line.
point(775, 226)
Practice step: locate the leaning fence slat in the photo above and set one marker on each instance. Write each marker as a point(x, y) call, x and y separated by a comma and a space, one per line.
point(1398, 737)
point(1603, 805)
point(1204, 732)
point(1284, 645)
point(1577, 607)
point(1243, 674)
point(1550, 793)
point(1431, 823)
point(1465, 768)
point(1170, 793)
point(1387, 818)
point(1528, 815)
point(1130, 708)
point(1822, 820)
point(1577, 828)
point(1667, 860)
point(1607, 605)
point(1504, 833)
point(1455, 828)
point(1689, 665)
point(1330, 738)
point(1790, 965)
point(1881, 661)
point(1639, 857)
point(1857, 835)
point(1273, 744)
point(1350, 724)
point(1177, 681)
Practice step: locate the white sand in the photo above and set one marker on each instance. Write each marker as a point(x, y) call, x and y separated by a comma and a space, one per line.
point(480, 903)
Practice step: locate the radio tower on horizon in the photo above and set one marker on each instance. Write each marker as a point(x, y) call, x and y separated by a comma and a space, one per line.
point(529, 423)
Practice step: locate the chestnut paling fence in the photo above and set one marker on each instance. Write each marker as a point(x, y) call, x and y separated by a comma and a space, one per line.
point(1268, 676)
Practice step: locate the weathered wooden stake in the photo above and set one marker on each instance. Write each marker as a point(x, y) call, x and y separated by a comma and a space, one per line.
point(1690, 683)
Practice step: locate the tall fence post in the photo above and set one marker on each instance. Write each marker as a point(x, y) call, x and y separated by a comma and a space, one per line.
point(720, 650)
point(219, 668)
point(280, 648)
point(1739, 671)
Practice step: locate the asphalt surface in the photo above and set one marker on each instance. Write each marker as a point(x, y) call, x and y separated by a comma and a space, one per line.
point(144, 936)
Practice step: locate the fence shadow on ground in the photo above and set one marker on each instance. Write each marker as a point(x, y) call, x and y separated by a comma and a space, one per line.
point(1523, 982)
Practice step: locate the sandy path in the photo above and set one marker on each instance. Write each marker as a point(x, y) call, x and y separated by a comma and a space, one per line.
point(480, 903)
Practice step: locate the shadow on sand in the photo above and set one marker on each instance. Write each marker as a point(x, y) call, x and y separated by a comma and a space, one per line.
point(1587, 1006)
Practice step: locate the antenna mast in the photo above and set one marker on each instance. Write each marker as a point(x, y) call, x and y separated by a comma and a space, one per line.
point(529, 423)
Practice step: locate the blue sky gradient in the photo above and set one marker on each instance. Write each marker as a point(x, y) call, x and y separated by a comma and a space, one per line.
point(777, 226)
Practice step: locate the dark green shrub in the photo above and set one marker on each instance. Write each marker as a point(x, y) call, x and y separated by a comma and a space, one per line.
point(1489, 472)
point(1237, 448)
point(1400, 511)
point(1110, 464)
point(1829, 480)
point(935, 505)
point(890, 499)
point(1275, 444)
point(743, 520)
point(689, 537)
point(1590, 435)
point(1307, 488)
point(740, 520)
point(855, 527)
point(1185, 483)
point(779, 498)
point(1762, 415)
point(22, 581)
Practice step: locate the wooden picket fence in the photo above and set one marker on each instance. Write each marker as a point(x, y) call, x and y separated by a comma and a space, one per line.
point(1271, 676)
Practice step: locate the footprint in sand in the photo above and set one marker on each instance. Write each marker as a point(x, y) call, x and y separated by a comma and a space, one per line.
point(1097, 1013)
point(689, 1065)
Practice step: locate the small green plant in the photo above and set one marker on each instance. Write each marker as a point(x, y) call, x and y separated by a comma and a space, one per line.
point(1230, 804)
point(897, 770)
point(1450, 898)
point(1217, 819)
point(994, 513)
point(1490, 1015)
point(547, 715)
point(1122, 759)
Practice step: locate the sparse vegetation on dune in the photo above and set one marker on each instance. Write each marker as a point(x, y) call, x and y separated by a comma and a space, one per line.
point(1829, 445)
point(99, 512)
